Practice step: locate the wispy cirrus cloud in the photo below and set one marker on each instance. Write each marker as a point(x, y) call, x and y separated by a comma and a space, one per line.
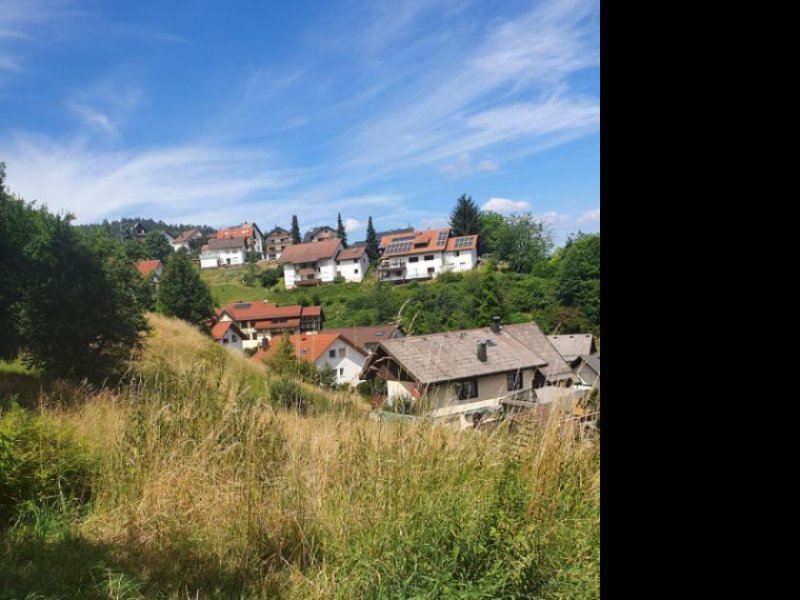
point(105, 105)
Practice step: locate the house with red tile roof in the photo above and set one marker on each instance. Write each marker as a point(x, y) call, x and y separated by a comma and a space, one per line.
point(247, 231)
point(325, 349)
point(260, 321)
point(185, 237)
point(228, 335)
point(150, 269)
point(426, 254)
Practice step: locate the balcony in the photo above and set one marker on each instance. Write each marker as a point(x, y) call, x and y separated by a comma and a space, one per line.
point(392, 264)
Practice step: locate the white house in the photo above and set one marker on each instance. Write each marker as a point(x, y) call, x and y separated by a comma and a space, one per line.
point(227, 252)
point(227, 335)
point(352, 263)
point(261, 321)
point(250, 232)
point(324, 350)
point(426, 254)
point(310, 264)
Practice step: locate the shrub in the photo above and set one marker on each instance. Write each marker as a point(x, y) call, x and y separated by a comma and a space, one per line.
point(41, 462)
point(286, 393)
point(339, 279)
point(271, 276)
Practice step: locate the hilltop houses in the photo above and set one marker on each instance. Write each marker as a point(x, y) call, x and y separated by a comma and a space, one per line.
point(223, 252)
point(228, 335)
point(352, 263)
point(426, 254)
point(251, 234)
point(367, 337)
point(324, 350)
point(260, 321)
point(277, 241)
point(466, 376)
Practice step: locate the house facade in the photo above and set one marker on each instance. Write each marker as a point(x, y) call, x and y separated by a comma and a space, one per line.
point(228, 335)
point(352, 263)
point(223, 253)
point(463, 377)
point(185, 238)
point(311, 263)
point(426, 254)
point(260, 321)
point(277, 241)
point(250, 232)
point(324, 350)
point(319, 234)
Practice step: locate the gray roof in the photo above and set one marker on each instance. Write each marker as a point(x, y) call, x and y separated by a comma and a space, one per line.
point(588, 368)
point(532, 338)
point(314, 231)
point(215, 244)
point(448, 356)
point(571, 345)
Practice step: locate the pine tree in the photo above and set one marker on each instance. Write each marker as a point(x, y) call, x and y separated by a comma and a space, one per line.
point(372, 241)
point(340, 231)
point(465, 218)
point(295, 230)
point(182, 293)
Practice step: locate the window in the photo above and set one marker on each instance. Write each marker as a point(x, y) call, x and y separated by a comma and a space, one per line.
point(342, 352)
point(466, 389)
point(514, 381)
point(458, 252)
point(414, 259)
point(331, 353)
point(431, 270)
point(429, 257)
point(234, 338)
point(224, 340)
point(355, 271)
point(341, 371)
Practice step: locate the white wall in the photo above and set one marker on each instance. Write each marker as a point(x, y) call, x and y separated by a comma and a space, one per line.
point(466, 260)
point(351, 363)
point(419, 269)
point(289, 276)
point(209, 263)
point(235, 255)
point(327, 269)
point(231, 340)
point(353, 270)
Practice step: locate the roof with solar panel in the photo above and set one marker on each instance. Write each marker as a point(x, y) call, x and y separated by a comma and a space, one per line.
point(418, 242)
point(466, 242)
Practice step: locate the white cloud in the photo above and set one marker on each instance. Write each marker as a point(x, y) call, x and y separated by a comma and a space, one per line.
point(9, 64)
point(504, 205)
point(105, 105)
point(590, 217)
point(434, 222)
point(464, 166)
point(182, 181)
point(487, 165)
point(353, 225)
point(553, 218)
point(95, 119)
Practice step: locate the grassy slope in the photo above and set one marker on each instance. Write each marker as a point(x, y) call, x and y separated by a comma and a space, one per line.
point(204, 489)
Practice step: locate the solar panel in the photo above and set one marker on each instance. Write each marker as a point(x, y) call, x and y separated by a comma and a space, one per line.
point(463, 242)
point(403, 238)
point(398, 247)
point(242, 305)
point(442, 238)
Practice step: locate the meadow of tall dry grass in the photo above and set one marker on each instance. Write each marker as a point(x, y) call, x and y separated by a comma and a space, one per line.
point(198, 485)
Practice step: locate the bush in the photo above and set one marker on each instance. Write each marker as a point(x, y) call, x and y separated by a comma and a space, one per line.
point(339, 279)
point(271, 276)
point(41, 462)
point(286, 393)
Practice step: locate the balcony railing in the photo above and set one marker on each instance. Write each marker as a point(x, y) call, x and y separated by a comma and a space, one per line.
point(392, 264)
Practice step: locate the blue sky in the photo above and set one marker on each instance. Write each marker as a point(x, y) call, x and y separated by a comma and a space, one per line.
point(223, 112)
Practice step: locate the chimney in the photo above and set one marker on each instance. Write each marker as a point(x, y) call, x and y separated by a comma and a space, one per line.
point(482, 350)
point(495, 324)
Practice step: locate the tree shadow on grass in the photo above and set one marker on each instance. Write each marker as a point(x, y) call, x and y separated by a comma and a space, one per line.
point(73, 568)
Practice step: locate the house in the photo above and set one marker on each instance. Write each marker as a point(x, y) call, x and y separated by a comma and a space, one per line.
point(324, 350)
point(249, 232)
point(277, 241)
point(150, 269)
point(139, 231)
point(572, 345)
point(311, 263)
point(382, 234)
point(426, 254)
point(319, 234)
point(367, 338)
point(352, 263)
point(259, 321)
point(228, 335)
point(185, 238)
point(168, 236)
point(225, 252)
point(587, 368)
point(467, 376)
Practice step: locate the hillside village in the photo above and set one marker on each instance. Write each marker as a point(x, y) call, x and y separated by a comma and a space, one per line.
point(465, 378)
